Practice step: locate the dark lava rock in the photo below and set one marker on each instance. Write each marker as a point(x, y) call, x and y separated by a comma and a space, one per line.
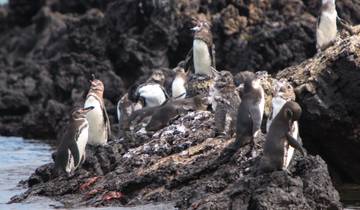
point(183, 163)
point(327, 90)
point(49, 48)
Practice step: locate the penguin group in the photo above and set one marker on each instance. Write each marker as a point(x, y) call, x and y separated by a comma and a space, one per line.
point(87, 125)
point(238, 106)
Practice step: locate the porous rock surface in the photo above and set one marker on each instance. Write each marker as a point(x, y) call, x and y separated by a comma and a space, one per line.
point(181, 164)
point(49, 48)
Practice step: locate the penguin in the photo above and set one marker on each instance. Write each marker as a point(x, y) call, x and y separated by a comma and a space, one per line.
point(71, 152)
point(203, 48)
point(284, 92)
point(99, 124)
point(152, 92)
point(326, 26)
point(279, 133)
point(178, 88)
point(124, 109)
point(250, 112)
point(225, 101)
point(162, 115)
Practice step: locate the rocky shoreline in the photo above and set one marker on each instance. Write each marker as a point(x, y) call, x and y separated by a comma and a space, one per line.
point(181, 164)
point(49, 49)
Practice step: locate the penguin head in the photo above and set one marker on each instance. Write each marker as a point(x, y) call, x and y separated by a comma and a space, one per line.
point(80, 113)
point(158, 77)
point(292, 111)
point(241, 77)
point(202, 27)
point(97, 87)
point(180, 72)
point(256, 83)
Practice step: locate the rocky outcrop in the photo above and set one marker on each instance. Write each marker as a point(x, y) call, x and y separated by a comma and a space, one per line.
point(49, 48)
point(328, 91)
point(184, 164)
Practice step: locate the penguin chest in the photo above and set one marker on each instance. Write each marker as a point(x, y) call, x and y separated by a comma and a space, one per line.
point(261, 105)
point(153, 94)
point(95, 118)
point(82, 140)
point(327, 28)
point(70, 164)
point(277, 103)
point(178, 88)
point(202, 59)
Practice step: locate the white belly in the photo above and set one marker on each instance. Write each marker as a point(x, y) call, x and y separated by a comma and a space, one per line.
point(178, 88)
point(82, 141)
point(95, 118)
point(202, 59)
point(70, 164)
point(262, 104)
point(327, 29)
point(154, 95)
point(289, 150)
point(277, 103)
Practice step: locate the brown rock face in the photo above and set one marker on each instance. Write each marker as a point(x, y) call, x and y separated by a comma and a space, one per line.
point(328, 92)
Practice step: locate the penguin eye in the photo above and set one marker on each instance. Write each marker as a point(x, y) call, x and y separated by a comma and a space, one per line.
point(289, 113)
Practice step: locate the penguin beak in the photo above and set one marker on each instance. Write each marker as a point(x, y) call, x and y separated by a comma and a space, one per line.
point(88, 109)
point(196, 28)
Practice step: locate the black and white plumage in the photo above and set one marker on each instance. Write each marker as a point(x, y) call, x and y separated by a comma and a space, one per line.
point(203, 48)
point(71, 152)
point(178, 86)
point(279, 133)
point(152, 93)
point(99, 124)
point(284, 92)
point(250, 112)
point(125, 107)
point(326, 30)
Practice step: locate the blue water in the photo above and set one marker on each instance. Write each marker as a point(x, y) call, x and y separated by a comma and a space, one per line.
point(18, 160)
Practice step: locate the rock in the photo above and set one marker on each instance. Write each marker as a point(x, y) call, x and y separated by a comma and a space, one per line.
point(326, 87)
point(183, 163)
point(60, 43)
point(50, 48)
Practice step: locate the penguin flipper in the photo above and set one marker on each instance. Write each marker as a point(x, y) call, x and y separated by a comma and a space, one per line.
point(106, 122)
point(189, 60)
point(61, 158)
point(73, 147)
point(165, 93)
point(294, 143)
